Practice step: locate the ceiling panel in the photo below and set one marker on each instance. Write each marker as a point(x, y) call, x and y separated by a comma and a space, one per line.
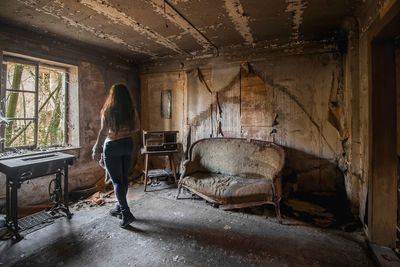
point(144, 29)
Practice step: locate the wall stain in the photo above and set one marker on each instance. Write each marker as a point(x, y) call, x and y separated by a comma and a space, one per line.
point(270, 82)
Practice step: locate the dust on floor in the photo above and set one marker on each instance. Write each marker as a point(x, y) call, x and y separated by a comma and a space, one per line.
point(170, 232)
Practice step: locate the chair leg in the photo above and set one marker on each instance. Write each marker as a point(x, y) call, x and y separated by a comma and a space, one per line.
point(179, 191)
point(278, 211)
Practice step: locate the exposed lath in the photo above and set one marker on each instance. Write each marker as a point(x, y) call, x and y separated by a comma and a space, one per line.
point(239, 19)
point(118, 17)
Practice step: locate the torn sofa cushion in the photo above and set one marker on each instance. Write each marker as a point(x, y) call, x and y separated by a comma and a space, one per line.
point(229, 189)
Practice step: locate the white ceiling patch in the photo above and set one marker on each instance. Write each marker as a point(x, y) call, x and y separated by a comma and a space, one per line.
point(118, 17)
point(54, 9)
point(296, 8)
point(239, 19)
point(165, 9)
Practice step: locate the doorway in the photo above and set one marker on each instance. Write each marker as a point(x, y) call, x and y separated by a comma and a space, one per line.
point(383, 186)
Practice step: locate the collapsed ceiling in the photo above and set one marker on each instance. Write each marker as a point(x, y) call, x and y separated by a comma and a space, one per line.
point(152, 29)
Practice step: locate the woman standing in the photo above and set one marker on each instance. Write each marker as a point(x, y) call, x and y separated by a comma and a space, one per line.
point(117, 126)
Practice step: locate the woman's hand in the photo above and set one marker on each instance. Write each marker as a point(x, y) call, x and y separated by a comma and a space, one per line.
point(96, 155)
point(101, 161)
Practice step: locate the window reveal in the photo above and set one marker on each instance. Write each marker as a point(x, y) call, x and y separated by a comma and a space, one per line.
point(34, 104)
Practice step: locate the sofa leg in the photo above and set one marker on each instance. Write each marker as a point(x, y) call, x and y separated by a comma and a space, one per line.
point(179, 191)
point(278, 211)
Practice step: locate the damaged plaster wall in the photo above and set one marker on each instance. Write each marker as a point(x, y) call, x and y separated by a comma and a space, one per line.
point(151, 118)
point(97, 71)
point(370, 14)
point(284, 99)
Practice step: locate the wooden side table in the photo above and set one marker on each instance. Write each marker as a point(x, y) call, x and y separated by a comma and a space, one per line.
point(169, 154)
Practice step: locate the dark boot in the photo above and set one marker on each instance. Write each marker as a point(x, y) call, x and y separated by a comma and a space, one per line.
point(116, 212)
point(127, 219)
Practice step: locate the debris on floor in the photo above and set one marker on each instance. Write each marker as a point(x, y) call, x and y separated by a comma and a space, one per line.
point(97, 199)
point(321, 210)
point(162, 237)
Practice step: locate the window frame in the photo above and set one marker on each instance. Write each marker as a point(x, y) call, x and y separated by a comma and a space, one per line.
point(37, 63)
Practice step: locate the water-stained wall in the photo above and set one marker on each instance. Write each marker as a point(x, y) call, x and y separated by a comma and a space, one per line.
point(371, 17)
point(295, 101)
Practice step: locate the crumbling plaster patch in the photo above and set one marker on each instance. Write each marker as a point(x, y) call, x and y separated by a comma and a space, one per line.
point(241, 21)
point(119, 17)
point(55, 9)
point(299, 88)
point(164, 9)
point(296, 8)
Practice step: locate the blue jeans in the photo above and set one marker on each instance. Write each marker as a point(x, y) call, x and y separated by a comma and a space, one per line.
point(117, 160)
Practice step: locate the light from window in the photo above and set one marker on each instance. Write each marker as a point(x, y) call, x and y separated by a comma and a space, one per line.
point(34, 104)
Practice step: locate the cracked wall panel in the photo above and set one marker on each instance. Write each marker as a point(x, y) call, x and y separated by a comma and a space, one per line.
point(256, 102)
point(306, 83)
point(199, 98)
point(293, 95)
point(294, 129)
point(228, 90)
point(199, 104)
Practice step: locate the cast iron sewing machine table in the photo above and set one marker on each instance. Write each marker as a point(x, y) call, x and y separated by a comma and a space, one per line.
point(21, 169)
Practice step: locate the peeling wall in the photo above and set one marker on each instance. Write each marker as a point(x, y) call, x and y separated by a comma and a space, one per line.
point(241, 21)
point(285, 99)
point(97, 71)
point(369, 14)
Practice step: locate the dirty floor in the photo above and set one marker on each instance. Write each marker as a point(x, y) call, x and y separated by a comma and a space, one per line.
point(187, 232)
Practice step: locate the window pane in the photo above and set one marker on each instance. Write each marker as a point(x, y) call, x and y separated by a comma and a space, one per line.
point(20, 133)
point(51, 106)
point(20, 76)
point(20, 104)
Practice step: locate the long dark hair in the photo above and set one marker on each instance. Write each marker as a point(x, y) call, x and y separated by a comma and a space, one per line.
point(118, 109)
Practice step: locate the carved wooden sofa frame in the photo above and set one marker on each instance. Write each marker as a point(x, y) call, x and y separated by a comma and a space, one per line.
point(249, 177)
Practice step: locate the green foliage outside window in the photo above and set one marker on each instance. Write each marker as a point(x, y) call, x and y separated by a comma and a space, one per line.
point(35, 112)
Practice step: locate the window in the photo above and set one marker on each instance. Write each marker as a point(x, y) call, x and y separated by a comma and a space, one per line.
point(33, 104)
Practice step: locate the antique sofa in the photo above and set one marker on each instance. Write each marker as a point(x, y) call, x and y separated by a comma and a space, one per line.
point(234, 173)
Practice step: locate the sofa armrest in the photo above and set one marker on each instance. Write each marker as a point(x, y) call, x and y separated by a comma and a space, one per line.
point(184, 167)
point(189, 167)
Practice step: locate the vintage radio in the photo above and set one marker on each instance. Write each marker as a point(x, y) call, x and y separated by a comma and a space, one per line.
point(160, 140)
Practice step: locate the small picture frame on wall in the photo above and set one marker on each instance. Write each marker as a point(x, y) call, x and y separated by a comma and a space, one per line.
point(166, 104)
